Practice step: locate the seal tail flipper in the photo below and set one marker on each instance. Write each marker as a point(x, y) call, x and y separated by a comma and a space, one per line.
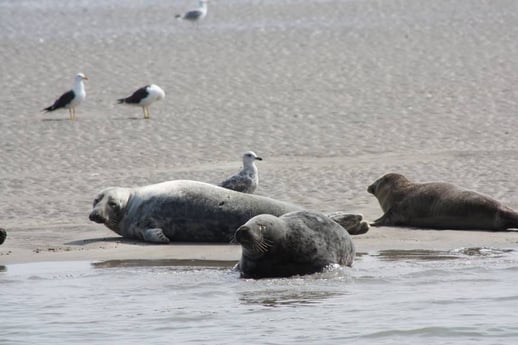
point(178, 16)
point(121, 100)
point(510, 219)
point(359, 229)
point(353, 223)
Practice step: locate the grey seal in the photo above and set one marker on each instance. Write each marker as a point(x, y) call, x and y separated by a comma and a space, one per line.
point(296, 243)
point(189, 211)
point(438, 205)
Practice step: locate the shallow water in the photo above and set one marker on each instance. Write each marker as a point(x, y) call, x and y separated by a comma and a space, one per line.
point(405, 297)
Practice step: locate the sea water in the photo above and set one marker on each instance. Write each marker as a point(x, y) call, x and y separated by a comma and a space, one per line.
point(466, 296)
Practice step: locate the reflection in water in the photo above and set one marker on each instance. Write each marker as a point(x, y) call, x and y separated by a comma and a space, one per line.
point(416, 254)
point(286, 297)
point(164, 262)
point(298, 290)
point(435, 255)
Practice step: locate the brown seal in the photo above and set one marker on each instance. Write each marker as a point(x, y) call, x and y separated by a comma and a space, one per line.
point(438, 205)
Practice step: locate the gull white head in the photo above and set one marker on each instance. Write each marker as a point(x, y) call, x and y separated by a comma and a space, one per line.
point(80, 77)
point(249, 157)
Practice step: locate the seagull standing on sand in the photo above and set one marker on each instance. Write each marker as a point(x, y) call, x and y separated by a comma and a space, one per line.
point(195, 14)
point(247, 179)
point(143, 97)
point(71, 99)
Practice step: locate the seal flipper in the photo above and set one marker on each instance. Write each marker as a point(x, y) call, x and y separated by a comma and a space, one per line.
point(385, 220)
point(346, 220)
point(359, 228)
point(353, 223)
point(155, 235)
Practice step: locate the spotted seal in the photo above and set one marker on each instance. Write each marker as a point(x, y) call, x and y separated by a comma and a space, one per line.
point(189, 211)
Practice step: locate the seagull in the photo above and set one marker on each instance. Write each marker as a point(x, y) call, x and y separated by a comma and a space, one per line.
point(143, 97)
point(195, 14)
point(71, 99)
point(247, 179)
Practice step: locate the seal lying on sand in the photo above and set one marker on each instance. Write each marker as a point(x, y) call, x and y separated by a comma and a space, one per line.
point(189, 211)
point(3, 235)
point(295, 243)
point(438, 205)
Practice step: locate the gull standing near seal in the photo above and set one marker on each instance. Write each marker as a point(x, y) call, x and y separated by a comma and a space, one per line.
point(195, 14)
point(295, 243)
point(247, 179)
point(144, 97)
point(71, 99)
point(438, 205)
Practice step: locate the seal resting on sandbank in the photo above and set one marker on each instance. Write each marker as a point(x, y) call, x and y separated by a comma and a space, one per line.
point(296, 243)
point(438, 205)
point(190, 211)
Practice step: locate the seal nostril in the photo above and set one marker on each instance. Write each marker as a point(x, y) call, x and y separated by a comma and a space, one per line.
point(94, 217)
point(242, 233)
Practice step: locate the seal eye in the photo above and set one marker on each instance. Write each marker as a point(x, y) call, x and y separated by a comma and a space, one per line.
point(113, 204)
point(262, 227)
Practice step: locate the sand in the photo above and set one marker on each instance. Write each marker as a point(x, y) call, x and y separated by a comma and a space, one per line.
point(332, 94)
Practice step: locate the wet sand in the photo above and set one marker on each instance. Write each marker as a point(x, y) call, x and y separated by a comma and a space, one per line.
point(332, 94)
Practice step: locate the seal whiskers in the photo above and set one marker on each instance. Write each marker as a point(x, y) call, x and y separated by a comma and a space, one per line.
point(262, 246)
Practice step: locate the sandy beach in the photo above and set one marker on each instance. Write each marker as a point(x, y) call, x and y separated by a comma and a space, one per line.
point(332, 94)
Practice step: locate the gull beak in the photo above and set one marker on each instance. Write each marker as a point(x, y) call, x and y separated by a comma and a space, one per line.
point(258, 158)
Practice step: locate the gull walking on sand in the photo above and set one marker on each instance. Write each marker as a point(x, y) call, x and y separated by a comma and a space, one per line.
point(71, 99)
point(195, 14)
point(143, 97)
point(247, 179)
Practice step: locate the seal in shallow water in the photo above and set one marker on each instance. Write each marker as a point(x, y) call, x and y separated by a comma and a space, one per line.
point(295, 243)
point(438, 205)
point(188, 211)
